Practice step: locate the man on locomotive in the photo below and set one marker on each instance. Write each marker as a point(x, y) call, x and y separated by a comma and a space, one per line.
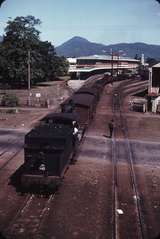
point(75, 130)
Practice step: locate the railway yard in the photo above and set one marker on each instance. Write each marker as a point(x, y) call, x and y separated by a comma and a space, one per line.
point(111, 191)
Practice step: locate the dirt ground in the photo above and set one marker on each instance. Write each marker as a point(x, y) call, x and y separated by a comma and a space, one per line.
point(24, 116)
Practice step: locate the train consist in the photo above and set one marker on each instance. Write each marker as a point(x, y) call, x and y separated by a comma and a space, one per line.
point(51, 146)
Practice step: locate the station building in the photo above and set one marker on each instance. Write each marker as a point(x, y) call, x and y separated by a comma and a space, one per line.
point(98, 64)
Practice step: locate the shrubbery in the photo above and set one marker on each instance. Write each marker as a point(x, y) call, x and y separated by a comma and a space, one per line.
point(9, 100)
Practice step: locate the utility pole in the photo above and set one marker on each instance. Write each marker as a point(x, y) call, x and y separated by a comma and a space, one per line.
point(150, 81)
point(118, 55)
point(29, 77)
point(111, 62)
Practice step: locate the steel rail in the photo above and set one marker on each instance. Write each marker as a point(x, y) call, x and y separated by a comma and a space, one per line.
point(115, 230)
point(21, 210)
point(117, 108)
point(13, 154)
point(19, 220)
point(4, 148)
point(142, 225)
point(44, 213)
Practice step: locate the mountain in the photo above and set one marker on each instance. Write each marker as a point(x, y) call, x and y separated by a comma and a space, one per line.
point(78, 46)
point(1, 38)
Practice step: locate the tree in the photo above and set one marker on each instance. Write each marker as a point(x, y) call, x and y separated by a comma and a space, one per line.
point(48, 54)
point(137, 57)
point(22, 37)
point(61, 65)
point(151, 61)
point(1, 1)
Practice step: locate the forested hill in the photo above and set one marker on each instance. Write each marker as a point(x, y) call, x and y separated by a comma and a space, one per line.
point(78, 46)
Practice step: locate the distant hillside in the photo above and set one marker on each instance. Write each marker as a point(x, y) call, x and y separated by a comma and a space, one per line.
point(78, 46)
point(1, 38)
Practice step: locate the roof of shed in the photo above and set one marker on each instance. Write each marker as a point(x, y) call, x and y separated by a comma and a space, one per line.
point(156, 65)
point(61, 117)
point(85, 100)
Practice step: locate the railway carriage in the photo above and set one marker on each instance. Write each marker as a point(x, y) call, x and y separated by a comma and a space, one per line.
point(84, 107)
point(90, 91)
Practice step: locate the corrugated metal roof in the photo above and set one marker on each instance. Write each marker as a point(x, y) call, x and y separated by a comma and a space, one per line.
point(85, 100)
point(156, 65)
point(90, 91)
point(60, 117)
point(49, 131)
point(106, 57)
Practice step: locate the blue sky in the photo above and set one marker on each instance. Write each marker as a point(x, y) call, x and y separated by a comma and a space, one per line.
point(101, 21)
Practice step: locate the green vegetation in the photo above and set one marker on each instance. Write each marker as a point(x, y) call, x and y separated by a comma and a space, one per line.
point(151, 61)
point(22, 39)
point(10, 100)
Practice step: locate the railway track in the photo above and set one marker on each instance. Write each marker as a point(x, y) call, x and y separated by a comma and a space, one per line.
point(29, 211)
point(9, 153)
point(140, 227)
point(9, 149)
point(30, 217)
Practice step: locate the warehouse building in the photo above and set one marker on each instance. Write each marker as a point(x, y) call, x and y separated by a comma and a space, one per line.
point(154, 88)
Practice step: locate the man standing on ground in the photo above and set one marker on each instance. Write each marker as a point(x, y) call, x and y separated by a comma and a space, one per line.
point(111, 128)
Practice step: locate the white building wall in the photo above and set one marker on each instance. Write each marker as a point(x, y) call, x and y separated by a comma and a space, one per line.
point(155, 102)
